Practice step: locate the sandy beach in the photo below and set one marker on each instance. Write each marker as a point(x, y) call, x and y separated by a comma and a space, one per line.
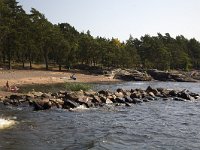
point(21, 77)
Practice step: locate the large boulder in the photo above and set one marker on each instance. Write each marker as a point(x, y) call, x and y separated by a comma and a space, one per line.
point(132, 75)
point(152, 90)
point(57, 102)
point(70, 104)
point(41, 104)
point(159, 75)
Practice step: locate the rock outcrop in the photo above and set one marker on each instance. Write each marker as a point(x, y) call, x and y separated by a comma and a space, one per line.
point(132, 75)
point(153, 74)
point(169, 76)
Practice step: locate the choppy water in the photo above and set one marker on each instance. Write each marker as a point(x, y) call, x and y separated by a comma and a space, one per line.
point(153, 125)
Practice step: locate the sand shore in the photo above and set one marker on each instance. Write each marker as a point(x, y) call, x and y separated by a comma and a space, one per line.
point(21, 77)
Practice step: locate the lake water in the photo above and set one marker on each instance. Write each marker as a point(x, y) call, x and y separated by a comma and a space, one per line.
point(153, 125)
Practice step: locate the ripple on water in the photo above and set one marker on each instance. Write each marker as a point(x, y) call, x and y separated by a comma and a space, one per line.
point(153, 125)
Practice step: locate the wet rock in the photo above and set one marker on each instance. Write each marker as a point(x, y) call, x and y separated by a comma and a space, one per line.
point(165, 99)
point(57, 102)
point(108, 101)
point(6, 102)
point(151, 94)
point(195, 95)
point(120, 100)
point(127, 105)
point(41, 104)
point(173, 93)
point(178, 99)
point(104, 92)
point(46, 95)
point(70, 104)
point(90, 93)
point(152, 90)
point(54, 94)
point(136, 95)
point(128, 99)
point(37, 94)
point(150, 98)
point(145, 100)
point(62, 92)
point(164, 93)
point(103, 99)
point(120, 90)
point(75, 96)
point(84, 99)
point(11, 102)
point(184, 95)
point(96, 99)
point(127, 93)
point(16, 97)
point(144, 94)
point(30, 96)
point(136, 101)
point(119, 94)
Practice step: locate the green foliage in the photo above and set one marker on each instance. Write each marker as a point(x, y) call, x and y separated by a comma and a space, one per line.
point(32, 38)
point(77, 86)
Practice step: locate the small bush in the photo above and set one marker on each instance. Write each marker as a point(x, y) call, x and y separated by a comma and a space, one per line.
point(77, 86)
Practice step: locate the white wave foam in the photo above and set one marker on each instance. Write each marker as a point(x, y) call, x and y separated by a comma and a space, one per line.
point(79, 108)
point(138, 83)
point(6, 123)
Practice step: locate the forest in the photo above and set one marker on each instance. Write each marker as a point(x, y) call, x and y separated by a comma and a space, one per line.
point(29, 38)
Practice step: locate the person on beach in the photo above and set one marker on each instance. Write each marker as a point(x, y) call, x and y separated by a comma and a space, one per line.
point(7, 86)
point(14, 89)
point(11, 88)
point(73, 77)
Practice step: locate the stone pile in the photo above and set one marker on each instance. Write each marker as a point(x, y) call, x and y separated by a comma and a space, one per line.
point(70, 100)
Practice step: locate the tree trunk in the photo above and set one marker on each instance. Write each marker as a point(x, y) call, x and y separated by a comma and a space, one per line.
point(60, 67)
point(9, 53)
point(23, 66)
point(30, 61)
point(9, 61)
point(46, 62)
point(30, 64)
point(4, 58)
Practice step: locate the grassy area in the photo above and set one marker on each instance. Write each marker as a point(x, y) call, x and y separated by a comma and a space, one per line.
point(78, 86)
point(55, 87)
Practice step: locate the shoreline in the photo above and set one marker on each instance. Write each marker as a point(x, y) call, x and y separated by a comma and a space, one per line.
point(31, 77)
point(25, 78)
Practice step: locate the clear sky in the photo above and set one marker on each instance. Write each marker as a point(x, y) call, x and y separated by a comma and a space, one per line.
point(120, 18)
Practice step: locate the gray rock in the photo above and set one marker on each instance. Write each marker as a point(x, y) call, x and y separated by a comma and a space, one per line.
point(41, 104)
point(70, 104)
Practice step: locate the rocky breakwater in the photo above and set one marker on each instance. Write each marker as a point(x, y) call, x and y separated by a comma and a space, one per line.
point(70, 100)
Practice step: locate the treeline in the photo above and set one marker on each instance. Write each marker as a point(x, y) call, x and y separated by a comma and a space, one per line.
point(31, 38)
